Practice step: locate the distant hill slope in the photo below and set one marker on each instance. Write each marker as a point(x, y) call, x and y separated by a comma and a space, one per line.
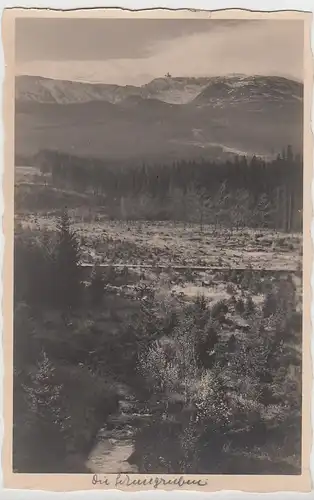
point(167, 118)
point(240, 89)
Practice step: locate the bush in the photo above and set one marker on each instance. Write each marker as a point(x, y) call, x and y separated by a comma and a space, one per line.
point(236, 402)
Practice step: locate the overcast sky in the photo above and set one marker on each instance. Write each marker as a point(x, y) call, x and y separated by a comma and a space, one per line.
point(134, 51)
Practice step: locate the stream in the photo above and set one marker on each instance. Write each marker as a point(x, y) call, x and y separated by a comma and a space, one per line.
point(115, 442)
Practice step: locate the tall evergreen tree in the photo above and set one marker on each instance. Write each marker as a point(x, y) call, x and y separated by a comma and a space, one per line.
point(43, 437)
point(67, 266)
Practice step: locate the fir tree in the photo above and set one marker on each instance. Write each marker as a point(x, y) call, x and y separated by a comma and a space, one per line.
point(45, 433)
point(67, 265)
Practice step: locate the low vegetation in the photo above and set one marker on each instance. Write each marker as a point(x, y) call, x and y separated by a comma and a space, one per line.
point(172, 244)
point(218, 372)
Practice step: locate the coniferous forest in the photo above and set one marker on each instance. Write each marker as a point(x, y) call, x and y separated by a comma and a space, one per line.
point(259, 193)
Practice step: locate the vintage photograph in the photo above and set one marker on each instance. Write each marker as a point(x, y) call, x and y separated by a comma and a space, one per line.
point(158, 245)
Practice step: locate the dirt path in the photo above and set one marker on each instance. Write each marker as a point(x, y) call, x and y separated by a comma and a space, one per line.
point(115, 443)
point(110, 453)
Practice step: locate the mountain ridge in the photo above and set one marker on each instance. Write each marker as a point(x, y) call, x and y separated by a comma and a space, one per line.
point(174, 90)
point(167, 118)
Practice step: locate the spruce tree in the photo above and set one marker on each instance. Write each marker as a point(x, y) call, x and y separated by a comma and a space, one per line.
point(67, 275)
point(44, 435)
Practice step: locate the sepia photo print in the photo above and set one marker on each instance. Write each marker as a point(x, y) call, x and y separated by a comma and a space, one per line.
point(158, 307)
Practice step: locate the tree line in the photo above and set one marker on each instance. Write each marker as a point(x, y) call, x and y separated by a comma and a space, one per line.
point(259, 192)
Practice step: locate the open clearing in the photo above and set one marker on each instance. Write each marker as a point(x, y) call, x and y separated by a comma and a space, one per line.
point(171, 243)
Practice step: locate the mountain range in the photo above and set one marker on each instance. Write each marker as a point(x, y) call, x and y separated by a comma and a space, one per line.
point(168, 118)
